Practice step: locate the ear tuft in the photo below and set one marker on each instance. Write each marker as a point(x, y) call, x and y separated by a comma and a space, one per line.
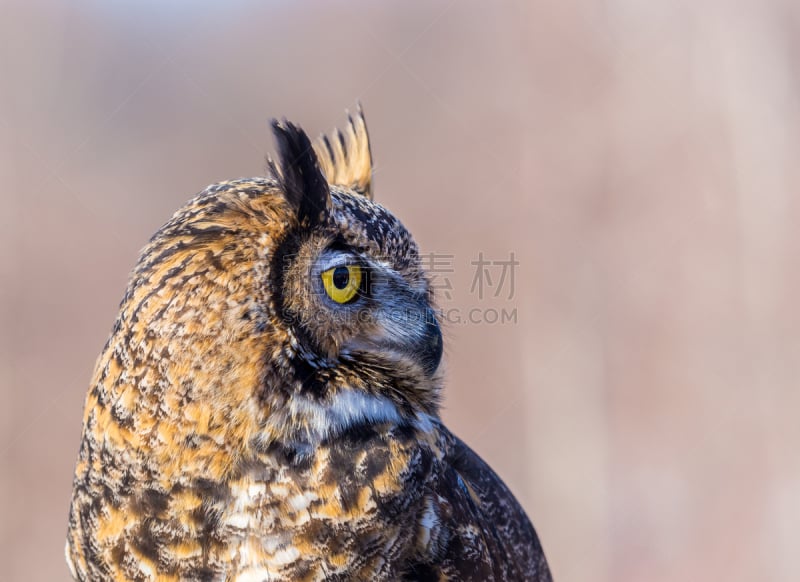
point(345, 157)
point(298, 173)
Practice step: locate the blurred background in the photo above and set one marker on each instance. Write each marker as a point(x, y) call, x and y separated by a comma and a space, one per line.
point(631, 164)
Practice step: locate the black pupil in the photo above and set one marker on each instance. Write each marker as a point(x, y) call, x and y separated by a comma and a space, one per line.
point(341, 276)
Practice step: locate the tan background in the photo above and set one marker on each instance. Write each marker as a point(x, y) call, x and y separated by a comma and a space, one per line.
point(639, 158)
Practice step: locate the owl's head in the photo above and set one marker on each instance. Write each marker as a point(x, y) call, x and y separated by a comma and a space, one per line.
point(286, 309)
point(347, 286)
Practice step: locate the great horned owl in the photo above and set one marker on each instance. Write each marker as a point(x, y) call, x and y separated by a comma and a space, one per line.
point(266, 407)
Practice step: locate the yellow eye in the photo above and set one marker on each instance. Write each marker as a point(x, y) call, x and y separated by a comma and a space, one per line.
point(342, 283)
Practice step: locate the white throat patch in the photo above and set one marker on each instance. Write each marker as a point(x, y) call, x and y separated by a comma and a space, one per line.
point(347, 408)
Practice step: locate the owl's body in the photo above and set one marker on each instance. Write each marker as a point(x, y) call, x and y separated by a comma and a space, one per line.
point(266, 407)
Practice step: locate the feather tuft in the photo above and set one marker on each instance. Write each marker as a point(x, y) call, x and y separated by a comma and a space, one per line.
point(298, 173)
point(345, 157)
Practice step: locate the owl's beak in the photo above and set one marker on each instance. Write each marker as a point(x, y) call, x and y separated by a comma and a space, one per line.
point(431, 347)
point(411, 332)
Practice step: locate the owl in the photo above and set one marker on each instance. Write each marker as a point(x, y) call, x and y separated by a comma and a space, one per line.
point(267, 404)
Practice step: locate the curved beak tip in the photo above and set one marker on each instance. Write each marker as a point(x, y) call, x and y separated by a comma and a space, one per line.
point(432, 347)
